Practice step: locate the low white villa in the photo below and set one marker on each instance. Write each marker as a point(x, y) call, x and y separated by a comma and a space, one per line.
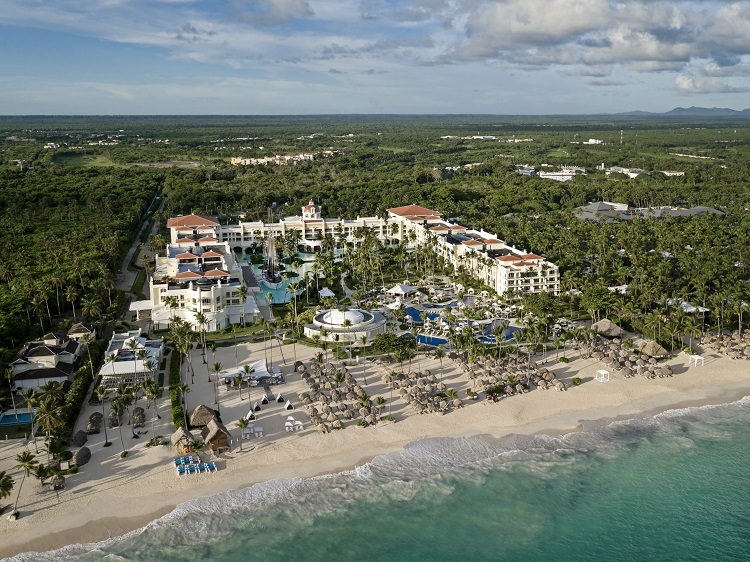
point(130, 358)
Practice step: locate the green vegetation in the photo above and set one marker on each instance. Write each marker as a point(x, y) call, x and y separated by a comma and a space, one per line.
point(68, 221)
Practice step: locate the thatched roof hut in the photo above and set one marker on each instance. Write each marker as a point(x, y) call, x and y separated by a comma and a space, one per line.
point(216, 436)
point(652, 349)
point(201, 415)
point(605, 327)
point(181, 438)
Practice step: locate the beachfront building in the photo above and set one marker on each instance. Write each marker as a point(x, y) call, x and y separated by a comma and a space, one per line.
point(310, 230)
point(478, 253)
point(349, 325)
point(130, 358)
point(53, 358)
point(199, 275)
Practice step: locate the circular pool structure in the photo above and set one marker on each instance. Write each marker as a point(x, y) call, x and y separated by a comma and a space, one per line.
point(346, 325)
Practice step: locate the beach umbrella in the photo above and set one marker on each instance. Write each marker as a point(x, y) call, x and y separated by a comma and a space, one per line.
point(332, 417)
point(79, 439)
point(337, 424)
point(82, 456)
point(96, 416)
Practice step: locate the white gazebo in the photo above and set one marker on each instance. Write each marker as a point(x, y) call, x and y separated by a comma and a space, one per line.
point(602, 375)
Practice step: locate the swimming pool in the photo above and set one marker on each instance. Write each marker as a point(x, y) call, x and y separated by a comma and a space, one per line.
point(414, 314)
point(9, 418)
point(429, 340)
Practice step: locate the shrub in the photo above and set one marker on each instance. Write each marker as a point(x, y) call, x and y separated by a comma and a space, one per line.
point(576, 380)
point(65, 455)
point(564, 360)
point(178, 416)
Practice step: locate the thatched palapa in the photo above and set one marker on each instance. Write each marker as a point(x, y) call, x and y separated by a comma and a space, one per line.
point(201, 416)
point(216, 436)
point(181, 438)
point(605, 327)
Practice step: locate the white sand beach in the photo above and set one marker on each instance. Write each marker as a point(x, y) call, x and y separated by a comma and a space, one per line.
point(112, 495)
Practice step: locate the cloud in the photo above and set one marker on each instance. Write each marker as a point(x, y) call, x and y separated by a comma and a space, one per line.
point(271, 13)
point(687, 84)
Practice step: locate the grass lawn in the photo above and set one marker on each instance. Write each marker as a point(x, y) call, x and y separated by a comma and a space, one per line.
point(83, 160)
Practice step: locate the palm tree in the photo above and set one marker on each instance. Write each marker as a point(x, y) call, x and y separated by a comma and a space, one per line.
point(26, 462)
point(242, 423)
point(31, 397)
point(101, 393)
point(201, 320)
point(49, 416)
point(243, 297)
point(183, 388)
point(86, 340)
point(117, 407)
point(439, 355)
point(53, 389)
point(216, 369)
point(71, 295)
point(238, 381)
point(6, 484)
point(8, 372)
point(153, 392)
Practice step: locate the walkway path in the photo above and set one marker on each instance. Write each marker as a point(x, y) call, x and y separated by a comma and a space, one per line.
point(125, 277)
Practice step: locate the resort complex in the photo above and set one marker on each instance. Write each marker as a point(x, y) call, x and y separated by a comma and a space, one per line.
point(480, 254)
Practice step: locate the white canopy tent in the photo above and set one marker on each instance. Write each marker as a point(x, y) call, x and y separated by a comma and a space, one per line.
point(402, 290)
point(326, 293)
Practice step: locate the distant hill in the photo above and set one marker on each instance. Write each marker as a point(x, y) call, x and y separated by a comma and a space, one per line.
point(693, 112)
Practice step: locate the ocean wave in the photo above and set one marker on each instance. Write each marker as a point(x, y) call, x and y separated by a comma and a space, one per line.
point(399, 476)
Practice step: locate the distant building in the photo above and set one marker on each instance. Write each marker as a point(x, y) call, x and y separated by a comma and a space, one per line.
point(52, 358)
point(604, 211)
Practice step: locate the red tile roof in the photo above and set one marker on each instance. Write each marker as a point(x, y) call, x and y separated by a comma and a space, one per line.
point(186, 256)
point(192, 221)
point(413, 211)
point(184, 240)
point(493, 241)
point(216, 273)
point(206, 239)
point(509, 258)
point(210, 254)
point(439, 227)
point(532, 257)
point(471, 243)
point(188, 275)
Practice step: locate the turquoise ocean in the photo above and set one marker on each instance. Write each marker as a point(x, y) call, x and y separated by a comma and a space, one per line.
point(675, 486)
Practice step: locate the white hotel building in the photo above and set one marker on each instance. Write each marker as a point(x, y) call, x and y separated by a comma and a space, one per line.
point(202, 271)
point(199, 274)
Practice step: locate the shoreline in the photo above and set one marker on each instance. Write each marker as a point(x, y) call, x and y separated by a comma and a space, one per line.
point(95, 531)
point(113, 496)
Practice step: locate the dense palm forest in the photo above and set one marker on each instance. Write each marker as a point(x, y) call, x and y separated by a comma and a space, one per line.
point(70, 211)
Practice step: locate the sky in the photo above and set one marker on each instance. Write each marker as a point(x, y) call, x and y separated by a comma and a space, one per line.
point(271, 57)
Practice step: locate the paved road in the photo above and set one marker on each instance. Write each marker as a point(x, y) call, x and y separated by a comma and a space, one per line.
point(125, 277)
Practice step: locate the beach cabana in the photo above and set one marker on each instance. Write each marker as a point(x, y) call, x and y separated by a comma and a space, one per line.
point(181, 439)
point(201, 415)
point(652, 349)
point(216, 436)
point(605, 327)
